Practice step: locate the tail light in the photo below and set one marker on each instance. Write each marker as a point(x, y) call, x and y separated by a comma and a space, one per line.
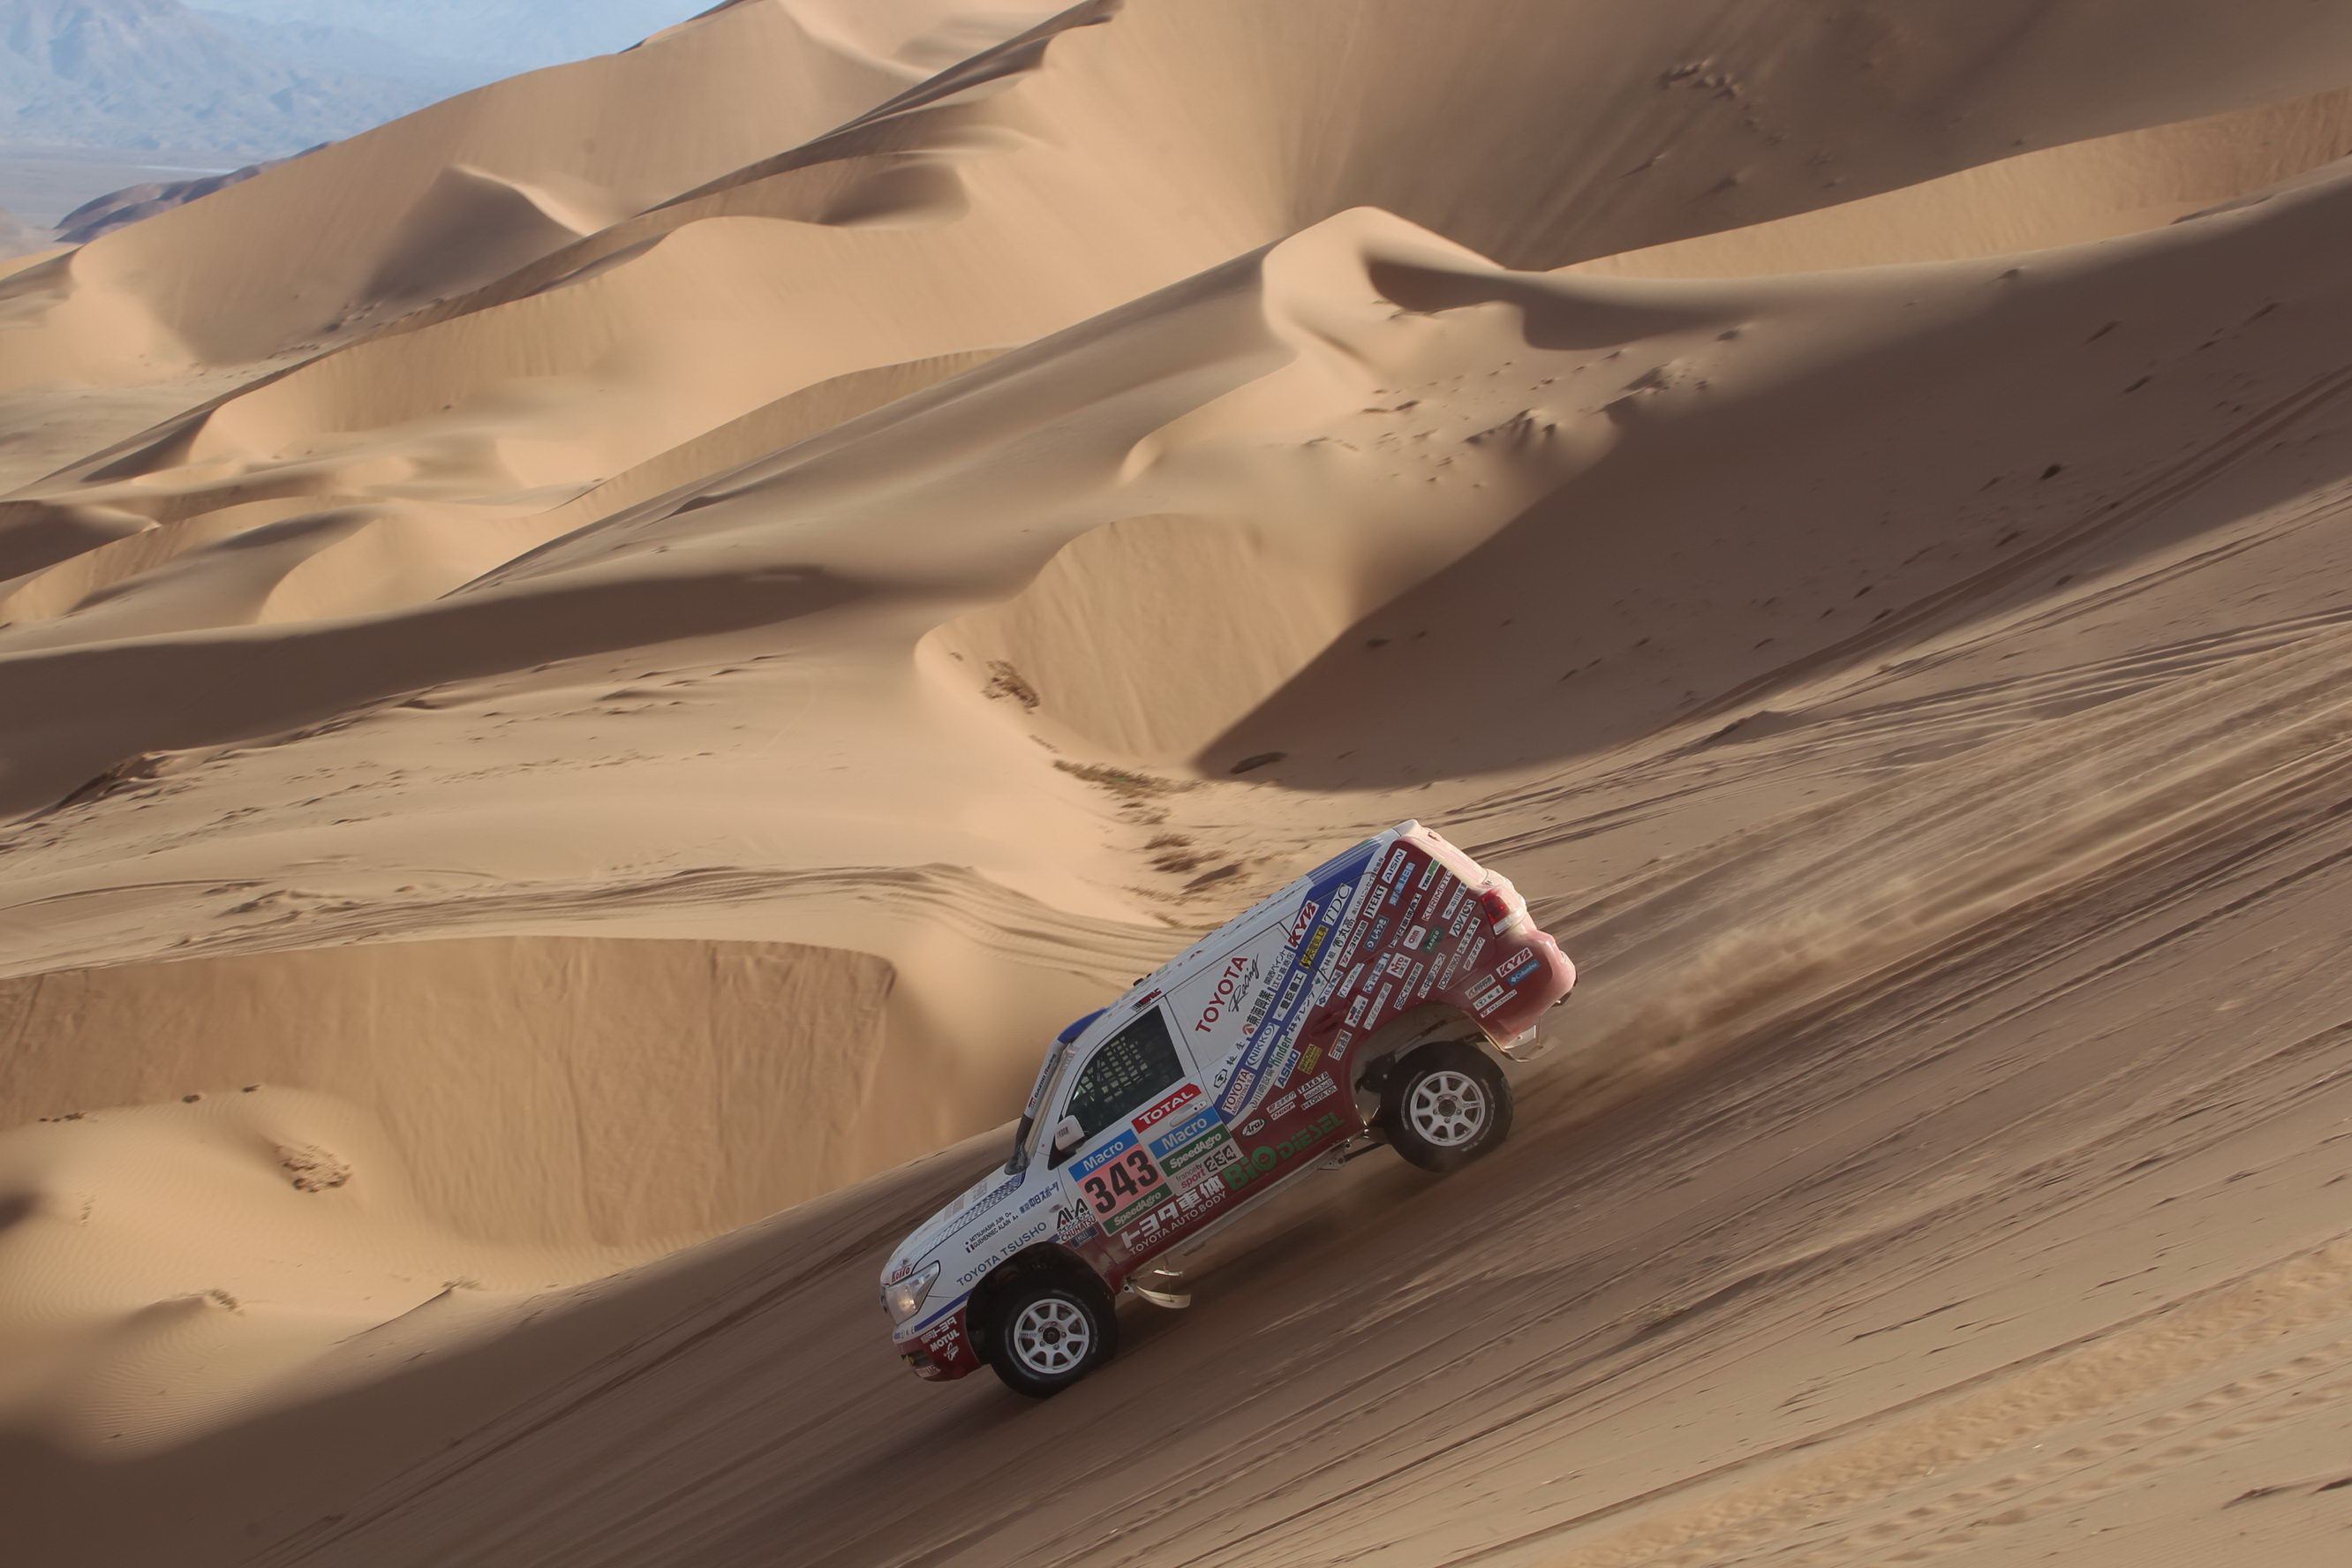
point(1506, 910)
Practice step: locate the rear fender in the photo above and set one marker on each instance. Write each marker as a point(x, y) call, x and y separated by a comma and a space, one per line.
point(1433, 1024)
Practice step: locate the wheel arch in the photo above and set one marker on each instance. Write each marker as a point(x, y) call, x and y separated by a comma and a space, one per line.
point(1050, 1259)
point(1433, 1024)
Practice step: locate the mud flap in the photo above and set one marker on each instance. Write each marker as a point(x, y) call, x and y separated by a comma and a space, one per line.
point(1524, 1047)
point(1174, 1301)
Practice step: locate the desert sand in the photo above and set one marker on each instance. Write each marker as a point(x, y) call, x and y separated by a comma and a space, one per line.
point(586, 676)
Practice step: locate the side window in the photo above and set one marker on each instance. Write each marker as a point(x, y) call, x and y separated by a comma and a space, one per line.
point(1130, 1067)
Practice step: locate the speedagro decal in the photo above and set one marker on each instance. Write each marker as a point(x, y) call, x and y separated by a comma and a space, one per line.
point(1178, 1137)
point(1202, 1160)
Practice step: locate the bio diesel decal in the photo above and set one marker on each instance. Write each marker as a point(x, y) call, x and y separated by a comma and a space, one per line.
point(1264, 1160)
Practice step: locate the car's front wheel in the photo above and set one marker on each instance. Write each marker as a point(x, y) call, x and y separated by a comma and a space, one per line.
point(1446, 1106)
point(1047, 1333)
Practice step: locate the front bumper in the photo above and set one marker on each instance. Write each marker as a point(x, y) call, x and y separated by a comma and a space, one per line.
point(943, 1351)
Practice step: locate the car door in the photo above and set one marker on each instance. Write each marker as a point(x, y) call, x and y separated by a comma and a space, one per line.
point(1145, 1129)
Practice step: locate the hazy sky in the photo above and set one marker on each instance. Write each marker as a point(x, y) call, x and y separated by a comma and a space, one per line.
point(496, 36)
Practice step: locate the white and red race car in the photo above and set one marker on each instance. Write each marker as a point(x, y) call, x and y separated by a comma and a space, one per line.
point(1371, 999)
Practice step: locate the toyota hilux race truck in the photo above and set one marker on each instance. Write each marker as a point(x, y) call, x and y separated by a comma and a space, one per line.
point(1369, 1001)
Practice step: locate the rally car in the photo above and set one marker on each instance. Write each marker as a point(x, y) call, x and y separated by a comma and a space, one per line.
point(1371, 1000)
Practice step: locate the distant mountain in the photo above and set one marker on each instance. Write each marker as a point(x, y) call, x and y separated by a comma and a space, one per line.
point(489, 39)
point(18, 237)
point(321, 46)
point(132, 202)
point(154, 74)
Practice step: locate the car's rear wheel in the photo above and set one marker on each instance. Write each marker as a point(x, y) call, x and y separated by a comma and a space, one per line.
point(1047, 1334)
point(1446, 1106)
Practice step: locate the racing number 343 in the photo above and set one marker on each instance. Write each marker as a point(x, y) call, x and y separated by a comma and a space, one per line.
point(1119, 1182)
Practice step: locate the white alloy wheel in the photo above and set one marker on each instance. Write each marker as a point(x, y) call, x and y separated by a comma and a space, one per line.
point(1051, 1336)
point(1447, 1107)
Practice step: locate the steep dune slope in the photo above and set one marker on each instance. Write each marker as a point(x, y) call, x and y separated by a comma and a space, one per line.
point(658, 735)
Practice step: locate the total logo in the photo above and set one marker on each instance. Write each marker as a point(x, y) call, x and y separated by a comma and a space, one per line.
point(1264, 1161)
point(1152, 1115)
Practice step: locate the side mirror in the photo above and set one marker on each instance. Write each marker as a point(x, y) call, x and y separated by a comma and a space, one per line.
point(1067, 1136)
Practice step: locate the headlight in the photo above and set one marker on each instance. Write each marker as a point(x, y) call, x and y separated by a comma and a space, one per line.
point(906, 1296)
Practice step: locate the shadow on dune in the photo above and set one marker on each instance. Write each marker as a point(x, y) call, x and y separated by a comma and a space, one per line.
point(1738, 538)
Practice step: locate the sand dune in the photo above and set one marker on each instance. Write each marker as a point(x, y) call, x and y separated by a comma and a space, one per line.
point(623, 648)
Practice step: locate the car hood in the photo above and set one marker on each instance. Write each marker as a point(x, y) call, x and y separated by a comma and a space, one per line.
point(969, 1205)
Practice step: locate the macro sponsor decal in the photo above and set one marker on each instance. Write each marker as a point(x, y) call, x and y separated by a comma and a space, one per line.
point(1176, 1138)
point(1086, 1166)
point(1340, 1042)
point(1160, 1111)
point(1395, 863)
point(1265, 1160)
point(987, 1233)
point(1428, 873)
point(1316, 1091)
point(1354, 975)
point(1276, 1110)
point(1415, 938)
point(1307, 1063)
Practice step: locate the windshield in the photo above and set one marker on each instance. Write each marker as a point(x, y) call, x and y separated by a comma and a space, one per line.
point(1024, 1137)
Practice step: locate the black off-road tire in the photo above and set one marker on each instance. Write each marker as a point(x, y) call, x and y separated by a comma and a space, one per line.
point(1445, 1105)
point(1046, 1332)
